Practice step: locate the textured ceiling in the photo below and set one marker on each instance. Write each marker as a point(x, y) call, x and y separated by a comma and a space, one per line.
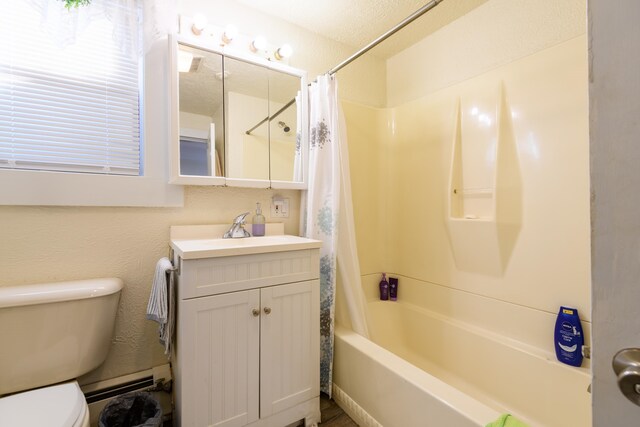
point(357, 22)
point(201, 88)
point(352, 22)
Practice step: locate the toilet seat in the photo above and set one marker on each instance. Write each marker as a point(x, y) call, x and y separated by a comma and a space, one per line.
point(61, 405)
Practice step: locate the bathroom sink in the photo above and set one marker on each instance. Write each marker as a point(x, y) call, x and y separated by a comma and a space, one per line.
point(193, 242)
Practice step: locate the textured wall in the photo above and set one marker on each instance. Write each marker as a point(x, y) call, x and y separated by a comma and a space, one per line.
point(42, 244)
point(538, 54)
point(494, 34)
point(548, 261)
point(401, 226)
point(366, 132)
point(406, 161)
point(48, 244)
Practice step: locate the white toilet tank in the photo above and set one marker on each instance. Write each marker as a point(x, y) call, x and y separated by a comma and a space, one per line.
point(55, 331)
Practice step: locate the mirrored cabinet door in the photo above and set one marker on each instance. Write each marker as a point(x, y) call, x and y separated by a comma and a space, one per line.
point(201, 113)
point(246, 89)
point(285, 124)
point(236, 120)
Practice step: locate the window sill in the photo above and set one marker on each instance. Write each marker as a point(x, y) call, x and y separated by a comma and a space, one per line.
point(28, 187)
point(77, 189)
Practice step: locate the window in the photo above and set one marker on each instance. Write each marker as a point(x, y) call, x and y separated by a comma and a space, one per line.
point(73, 109)
point(71, 131)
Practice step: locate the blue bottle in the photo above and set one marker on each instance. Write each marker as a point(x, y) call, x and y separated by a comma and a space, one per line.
point(568, 337)
point(384, 288)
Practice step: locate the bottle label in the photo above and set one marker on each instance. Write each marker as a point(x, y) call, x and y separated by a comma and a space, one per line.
point(384, 291)
point(568, 334)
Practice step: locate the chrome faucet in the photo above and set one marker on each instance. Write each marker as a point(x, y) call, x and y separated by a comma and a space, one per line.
point(237, 230)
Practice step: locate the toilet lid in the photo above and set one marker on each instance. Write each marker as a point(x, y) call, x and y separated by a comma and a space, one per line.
point(55, 406)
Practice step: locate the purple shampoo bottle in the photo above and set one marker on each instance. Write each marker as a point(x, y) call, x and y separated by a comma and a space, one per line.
point(384, 288)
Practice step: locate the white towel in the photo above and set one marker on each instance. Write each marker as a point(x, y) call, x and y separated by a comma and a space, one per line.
point(161, 307)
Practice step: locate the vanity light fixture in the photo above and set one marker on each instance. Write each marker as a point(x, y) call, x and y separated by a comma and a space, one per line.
point(230, 32)
point(200, 26)
point(199, 23)
point(284, 51)
point(258, 44)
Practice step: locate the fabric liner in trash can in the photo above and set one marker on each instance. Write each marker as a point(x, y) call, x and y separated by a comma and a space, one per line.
point(136, 409)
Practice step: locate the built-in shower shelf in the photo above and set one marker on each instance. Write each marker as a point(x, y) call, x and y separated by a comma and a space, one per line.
point(471, 218)
point(478, 192)
point(485, 190)
point(474, 191)
point(472, 174)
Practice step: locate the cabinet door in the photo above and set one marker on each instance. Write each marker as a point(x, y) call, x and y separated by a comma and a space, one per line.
point(220, 360)
point(289, 345)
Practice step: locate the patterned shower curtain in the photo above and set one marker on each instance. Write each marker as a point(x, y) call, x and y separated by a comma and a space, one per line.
point(321, 203)
point(298, 171)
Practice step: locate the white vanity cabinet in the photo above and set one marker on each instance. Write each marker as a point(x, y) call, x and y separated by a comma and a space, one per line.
point(248, 334)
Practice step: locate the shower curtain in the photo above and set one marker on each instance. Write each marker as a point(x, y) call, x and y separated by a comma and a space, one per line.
point(297, 159)
point(329, 185)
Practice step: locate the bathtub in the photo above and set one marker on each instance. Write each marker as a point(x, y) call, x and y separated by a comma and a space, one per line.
point(424, 369)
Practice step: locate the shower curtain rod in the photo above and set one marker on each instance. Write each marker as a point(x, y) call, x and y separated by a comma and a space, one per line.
point(408, 20)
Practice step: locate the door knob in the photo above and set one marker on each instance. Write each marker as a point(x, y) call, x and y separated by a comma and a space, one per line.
point(626, 365)
point(255, 312)
point(267, 310)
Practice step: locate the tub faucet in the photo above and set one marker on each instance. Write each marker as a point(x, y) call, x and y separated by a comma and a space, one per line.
point(237, 230)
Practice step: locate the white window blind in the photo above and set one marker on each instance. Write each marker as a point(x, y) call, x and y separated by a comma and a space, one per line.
point(73, 109)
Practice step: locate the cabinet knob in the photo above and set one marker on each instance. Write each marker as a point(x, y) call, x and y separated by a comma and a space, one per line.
point(267, 310)
point(255, 312)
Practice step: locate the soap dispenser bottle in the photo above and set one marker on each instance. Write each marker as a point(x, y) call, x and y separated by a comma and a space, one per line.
point(257, 224)
point(384, 288)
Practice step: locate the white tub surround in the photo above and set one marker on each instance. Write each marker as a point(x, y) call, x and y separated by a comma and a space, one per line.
point(476, 353)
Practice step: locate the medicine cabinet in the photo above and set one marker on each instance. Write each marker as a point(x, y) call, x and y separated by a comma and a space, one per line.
point(237, 120)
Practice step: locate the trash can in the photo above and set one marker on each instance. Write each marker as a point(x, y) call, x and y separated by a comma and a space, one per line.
point(136, 409)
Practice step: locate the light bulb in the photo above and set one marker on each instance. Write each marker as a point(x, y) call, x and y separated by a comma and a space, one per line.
point(284, 51)
point(259, 43)
point(230, 32)
point(199, 23)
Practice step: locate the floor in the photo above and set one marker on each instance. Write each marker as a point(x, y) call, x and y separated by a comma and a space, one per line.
point(332, 414)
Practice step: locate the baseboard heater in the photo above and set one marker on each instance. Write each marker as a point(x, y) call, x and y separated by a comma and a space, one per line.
point(143, 384)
